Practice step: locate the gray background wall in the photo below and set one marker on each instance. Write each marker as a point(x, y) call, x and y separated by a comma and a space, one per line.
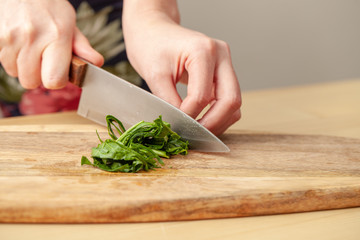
point(282, 42)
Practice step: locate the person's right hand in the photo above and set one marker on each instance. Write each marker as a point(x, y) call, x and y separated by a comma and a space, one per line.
point(37, 40)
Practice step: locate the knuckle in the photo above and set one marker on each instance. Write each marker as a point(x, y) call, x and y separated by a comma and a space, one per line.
point(152, 75)
point(234, 103)
point(54, 82)
point(237, 116)
point(62, 27)
point(58, 30)
point(209, 44)
point(206, 45)
point(224, 45)
point(155, 73)
point(201, 99)
point(7, 38)
point(29, 31)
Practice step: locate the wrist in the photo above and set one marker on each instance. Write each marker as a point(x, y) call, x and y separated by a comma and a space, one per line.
point(150, 10)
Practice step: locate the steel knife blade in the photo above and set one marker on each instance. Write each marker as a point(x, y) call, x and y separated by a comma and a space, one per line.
point(106, 94)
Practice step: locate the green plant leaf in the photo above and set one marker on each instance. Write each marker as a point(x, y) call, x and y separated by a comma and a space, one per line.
point(138, 148)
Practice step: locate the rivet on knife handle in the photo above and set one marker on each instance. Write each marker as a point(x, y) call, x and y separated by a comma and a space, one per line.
point(77, 71)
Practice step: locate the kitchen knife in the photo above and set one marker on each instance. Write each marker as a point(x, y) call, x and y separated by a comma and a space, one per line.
point(106, 94)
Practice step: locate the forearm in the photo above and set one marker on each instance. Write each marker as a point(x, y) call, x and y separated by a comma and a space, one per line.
point(150, 21)
point(151, 10)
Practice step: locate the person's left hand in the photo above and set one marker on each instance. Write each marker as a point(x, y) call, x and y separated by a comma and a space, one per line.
point(164, 53)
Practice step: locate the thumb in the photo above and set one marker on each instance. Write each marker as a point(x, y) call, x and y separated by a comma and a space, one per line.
point(83, 49)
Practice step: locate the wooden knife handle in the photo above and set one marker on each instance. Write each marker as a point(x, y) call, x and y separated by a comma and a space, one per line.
point(77, 71)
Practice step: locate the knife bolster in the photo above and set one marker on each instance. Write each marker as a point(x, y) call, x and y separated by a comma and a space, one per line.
point(77, 71)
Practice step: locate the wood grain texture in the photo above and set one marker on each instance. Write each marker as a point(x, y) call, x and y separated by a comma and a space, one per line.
point(42, 180)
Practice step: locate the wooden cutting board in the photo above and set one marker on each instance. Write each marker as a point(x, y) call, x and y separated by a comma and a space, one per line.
point(42, 181)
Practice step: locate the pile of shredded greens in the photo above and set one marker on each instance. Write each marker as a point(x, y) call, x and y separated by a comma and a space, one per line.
point(138, 148)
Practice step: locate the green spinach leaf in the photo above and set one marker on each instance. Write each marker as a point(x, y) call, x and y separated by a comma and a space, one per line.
point(138, 148)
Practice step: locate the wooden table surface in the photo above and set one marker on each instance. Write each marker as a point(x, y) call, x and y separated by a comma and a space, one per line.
point(328, 109)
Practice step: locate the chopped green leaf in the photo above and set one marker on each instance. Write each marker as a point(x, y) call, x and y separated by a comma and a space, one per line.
point(138, 148)
point(85, 160)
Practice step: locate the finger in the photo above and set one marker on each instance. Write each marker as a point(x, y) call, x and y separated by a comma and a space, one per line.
point(83, 49)
point(227, 94)
point(29, 65)
point(8, 61)
point(9, 51)
point(200, 84)
point(163, 86)
point(233, 118)
point(55, 63)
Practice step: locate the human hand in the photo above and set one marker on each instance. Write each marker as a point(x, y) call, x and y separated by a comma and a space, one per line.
point(37, 40)
point(165, 53)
